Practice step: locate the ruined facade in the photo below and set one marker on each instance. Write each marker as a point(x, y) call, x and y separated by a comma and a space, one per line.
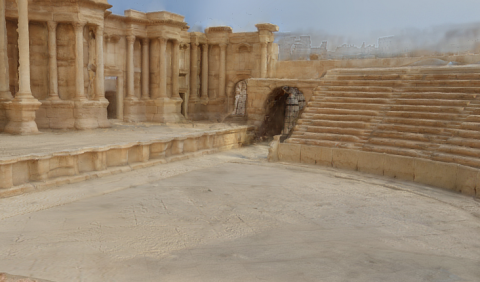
point(74, 65)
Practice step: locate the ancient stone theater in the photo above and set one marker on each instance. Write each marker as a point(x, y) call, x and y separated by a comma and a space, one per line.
point(74, 66)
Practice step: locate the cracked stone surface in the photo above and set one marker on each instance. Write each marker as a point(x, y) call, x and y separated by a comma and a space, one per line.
point(235, 217)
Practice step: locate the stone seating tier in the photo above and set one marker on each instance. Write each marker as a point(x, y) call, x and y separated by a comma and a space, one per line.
point(422, 112)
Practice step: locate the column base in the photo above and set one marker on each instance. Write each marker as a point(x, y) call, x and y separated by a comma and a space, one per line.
point(3, 116)
point(21, 116)
point(134, 110)
point(165, 110)
point(56, 114)
point(90, 114)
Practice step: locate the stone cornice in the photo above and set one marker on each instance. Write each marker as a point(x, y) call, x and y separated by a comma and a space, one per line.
point(267, 26)
point(219, 29)
point(92, 3)
point(172, 23)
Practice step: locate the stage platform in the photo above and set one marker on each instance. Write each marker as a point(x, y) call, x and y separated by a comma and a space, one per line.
point(36, 162)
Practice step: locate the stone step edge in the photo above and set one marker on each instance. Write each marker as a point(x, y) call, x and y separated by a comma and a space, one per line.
point(449, 176)
point(51, 183)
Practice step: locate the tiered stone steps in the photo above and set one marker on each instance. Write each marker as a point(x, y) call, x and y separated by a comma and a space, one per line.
point(425, 112)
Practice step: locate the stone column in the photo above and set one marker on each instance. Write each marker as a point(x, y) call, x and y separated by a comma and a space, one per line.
point(130, 69)
point(163, 68)
point(175, 69)
point(80, 80)
point(188, 59)
point(52, 55)
point(205, 71)
point(21, 111)
point(145, 68)
point(5, 94)
point(100, 74)
point(263, 60)
point(194, 72)
point(223, 58)
point(24, 90)
point(120, 106)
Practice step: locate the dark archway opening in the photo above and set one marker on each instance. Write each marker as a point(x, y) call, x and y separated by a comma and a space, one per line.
point(274, 120)
point(283, 107)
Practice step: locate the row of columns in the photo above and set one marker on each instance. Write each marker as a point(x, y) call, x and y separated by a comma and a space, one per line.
point(205, 75)
point(162, 93)
point(24, 57)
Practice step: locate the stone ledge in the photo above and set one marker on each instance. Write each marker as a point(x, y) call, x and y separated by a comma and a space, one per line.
point(465, 180)
point(22, 175)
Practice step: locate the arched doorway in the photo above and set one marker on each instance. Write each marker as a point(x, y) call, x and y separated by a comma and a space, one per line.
point(282, 110)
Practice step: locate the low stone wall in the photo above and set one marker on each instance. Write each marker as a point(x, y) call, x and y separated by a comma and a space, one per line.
point(258, 90)
point(450, 176)
point(36, 172)
point(317, 68)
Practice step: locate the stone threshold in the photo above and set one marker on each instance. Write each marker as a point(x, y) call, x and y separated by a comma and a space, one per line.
point(449, 176)
point(36, 173)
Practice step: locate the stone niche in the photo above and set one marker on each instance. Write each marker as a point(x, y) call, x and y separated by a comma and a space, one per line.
point(39, 60)
point(66, 61)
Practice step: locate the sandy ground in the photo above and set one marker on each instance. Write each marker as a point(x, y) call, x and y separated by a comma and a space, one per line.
point(234, 217)
point(49, 141)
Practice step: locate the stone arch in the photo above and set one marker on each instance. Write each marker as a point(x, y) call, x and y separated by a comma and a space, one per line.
point(282, 107)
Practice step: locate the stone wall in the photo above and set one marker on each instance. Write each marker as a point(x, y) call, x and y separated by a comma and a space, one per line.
point(316, 69)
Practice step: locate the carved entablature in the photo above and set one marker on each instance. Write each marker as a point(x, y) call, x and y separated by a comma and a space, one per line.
point(112, 38)
point(244, 48)
point(267, 26)
point(172, 23)
point(220, 29)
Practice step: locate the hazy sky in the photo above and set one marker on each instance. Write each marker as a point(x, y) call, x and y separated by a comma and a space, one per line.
point(357, 18)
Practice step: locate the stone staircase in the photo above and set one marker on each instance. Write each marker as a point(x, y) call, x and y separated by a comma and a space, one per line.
point(421, 112)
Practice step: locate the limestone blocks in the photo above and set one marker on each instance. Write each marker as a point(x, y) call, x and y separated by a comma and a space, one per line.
point(439, 174)
point(32, 172)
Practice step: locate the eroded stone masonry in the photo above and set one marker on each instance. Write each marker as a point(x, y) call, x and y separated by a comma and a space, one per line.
point(73, 65)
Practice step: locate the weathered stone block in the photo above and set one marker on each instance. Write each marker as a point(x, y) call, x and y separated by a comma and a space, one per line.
point(85, 162)
point(467, 180)
point(6, 177)
point(289, 152)
point(158, 150)
point(63, 166)
point(117, 157)
point(138, 153)
point(21, 173)
point(316, 155)
point(399, 167)
point(371, 162)
point(443, 175)
point(344, 158)
point(39, 169)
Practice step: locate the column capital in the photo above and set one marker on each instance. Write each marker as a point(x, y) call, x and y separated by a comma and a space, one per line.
point(163, 39)
point(264, 44)
point(78, 26)
point(222, 45)
point(100, 29)
point(52, 26)
point(145, 41)
point(131, 39)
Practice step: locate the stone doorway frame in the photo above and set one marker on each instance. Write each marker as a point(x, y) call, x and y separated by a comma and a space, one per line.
point(119, 77)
